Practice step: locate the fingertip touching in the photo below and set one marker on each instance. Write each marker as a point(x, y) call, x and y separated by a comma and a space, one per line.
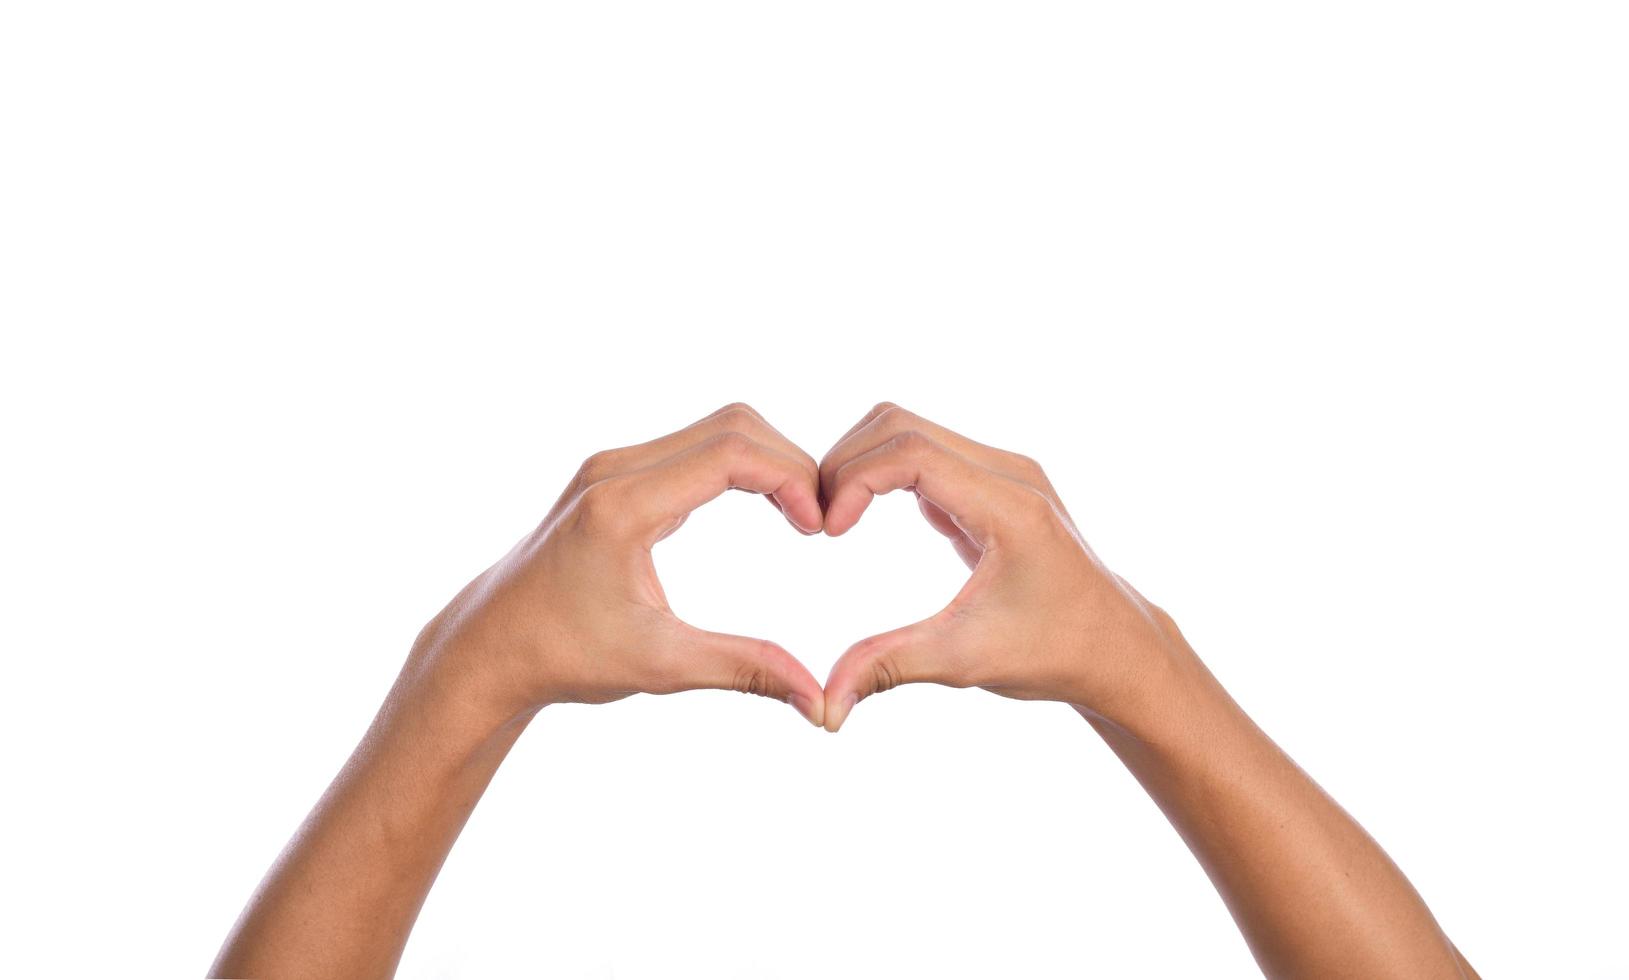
point(754, 666)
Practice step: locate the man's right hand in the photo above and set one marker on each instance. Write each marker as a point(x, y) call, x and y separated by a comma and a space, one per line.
point(575, 611)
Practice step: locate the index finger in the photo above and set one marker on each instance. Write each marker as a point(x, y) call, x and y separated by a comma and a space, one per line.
point(976, 498)
point(887, 420)
point(658, 497)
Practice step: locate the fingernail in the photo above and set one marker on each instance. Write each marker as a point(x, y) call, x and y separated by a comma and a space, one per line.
point(848, 707)
point(804, 707)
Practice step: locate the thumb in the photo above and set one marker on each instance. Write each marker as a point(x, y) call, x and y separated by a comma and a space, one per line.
point(727, 662)
point(908, 655)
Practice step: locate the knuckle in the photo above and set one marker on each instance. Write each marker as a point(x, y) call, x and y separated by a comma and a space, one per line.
point(1028, 466)
point(736, 415)
point(751, 679)
point(836, 479)
point(884, 675)
point(1162, 618)
point(602, 504)
point(597, 467)
point(1034, 507)
point(888, 415)
point(731, 444)
point(912, 442)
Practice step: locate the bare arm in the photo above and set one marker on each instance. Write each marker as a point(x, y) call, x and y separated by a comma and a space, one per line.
point(1312, 892)
point(345, 892)
point(573, 613)
point(1041, 618)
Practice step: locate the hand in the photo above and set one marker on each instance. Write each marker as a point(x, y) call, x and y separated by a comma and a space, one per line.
point(575, 612)
point(1039, 619)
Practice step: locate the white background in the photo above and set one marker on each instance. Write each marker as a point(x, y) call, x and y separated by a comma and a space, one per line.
point(1311, 311)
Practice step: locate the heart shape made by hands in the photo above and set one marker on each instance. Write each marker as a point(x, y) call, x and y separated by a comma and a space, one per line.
point(889, 449)
point(814, 594)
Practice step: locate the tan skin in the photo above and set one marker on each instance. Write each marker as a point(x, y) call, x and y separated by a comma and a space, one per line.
point(1041, 618)
point(575, 614)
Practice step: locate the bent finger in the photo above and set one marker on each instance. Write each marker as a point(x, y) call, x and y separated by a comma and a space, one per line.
point(651, 501)
point(888, 420)
point(975, 498)
point(726, 662)
point(737, 417)
point(913, 654)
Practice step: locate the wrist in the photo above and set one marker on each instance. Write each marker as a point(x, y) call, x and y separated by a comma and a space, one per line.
point(462, 694)
point(1164, 687)
point(1181, 720)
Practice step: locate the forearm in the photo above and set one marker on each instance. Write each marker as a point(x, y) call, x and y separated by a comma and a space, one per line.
point(343, 896)
point(574, 612)
point(1041, 618)
point(1313, 894)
